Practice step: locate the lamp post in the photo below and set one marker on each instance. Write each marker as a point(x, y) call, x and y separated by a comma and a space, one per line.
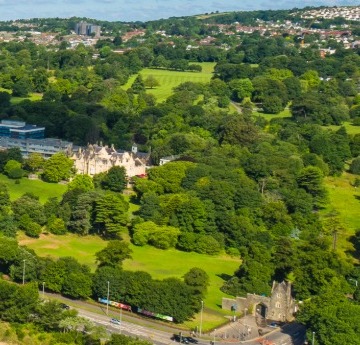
point(43, 290)
point(23, 275)
point(120, 317)
point(201, 316)
point(313, 338)
point(107, 299)
point(214, 336)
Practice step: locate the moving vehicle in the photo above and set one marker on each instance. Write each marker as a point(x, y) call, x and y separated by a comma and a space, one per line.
point(180, 339)
point(115, 321)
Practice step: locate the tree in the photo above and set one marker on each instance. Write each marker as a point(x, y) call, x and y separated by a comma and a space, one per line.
point(163, 237)
point(77, 285)
point(12, 297)
point(34, 162)
point(4, 99)
point(114, 179)
point(29, 206)
point(81, 182)
point(113, 254)
point(56, 226)
point(355, 166)
point(272, 105)
point(49, 315)
point(111, 214)
point(241, 88)
point(151, 82)
point(11, 166)
point(197, 279)
point(311, 179)
point(138, 85)
point(58, 167)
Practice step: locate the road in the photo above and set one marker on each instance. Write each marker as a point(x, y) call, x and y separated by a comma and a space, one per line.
point(159, 333)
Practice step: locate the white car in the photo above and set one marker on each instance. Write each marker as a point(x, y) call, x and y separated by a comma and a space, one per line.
point(115, 321)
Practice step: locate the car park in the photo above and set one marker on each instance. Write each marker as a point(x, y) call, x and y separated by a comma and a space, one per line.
point(115, 321)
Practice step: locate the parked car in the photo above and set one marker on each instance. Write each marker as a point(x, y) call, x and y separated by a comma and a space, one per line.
point(192, 340)
point(180, 339)
point(274, 325)
point(115, 321)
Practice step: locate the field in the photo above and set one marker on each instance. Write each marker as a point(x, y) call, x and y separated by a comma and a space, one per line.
point(350, 129)
point(42, 189)
point(170, 79)
point(269, 117)
point(345, 199)
point(16, 100)
point(160, 264)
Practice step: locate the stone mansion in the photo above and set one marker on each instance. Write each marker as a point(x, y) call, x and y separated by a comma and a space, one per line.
point(95, 159)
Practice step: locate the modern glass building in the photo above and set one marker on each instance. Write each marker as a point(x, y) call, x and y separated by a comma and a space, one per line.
point(20, 130)
point(29, 139)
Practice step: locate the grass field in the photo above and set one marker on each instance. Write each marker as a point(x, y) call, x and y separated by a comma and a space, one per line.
point(160, 264)
point(269, 117)
point(344, 198)
point(42, 189)
point(170, 79)
point(350, 129)
point(16, 100)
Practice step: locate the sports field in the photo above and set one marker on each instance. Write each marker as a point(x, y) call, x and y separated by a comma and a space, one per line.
point(170, 79)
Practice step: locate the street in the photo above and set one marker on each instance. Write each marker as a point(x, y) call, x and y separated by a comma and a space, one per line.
point(159, 333)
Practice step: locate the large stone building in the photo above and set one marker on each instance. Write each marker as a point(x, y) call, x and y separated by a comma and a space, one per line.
point(280, 306)
point(95, 159)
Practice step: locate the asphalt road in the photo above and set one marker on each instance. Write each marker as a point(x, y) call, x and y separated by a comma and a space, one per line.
point(158, 333)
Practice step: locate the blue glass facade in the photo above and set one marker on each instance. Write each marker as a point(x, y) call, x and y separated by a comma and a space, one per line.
point(20, 130)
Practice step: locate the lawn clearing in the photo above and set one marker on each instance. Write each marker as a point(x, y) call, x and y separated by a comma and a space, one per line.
point(160, 264)
point(42, 189)
point(344, 199)
point(285, 113)
point(170, 79)
point(350, 129)
point(81, 248)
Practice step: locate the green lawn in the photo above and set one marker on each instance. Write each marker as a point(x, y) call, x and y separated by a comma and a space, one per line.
point(15, 100)
point(269, 117)
point(344, 199)
point(42, 189)
point(160, 264)
point(350, 129)
point(170, 79)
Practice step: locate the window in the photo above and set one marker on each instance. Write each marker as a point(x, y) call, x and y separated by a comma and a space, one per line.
point(277, 305)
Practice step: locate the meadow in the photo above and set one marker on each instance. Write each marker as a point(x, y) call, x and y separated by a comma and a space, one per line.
point(42, 189)
point(170, 79)
point(160, 264)
point(345, 201)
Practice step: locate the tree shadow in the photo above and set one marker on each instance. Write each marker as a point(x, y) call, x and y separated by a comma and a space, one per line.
point(224, 276)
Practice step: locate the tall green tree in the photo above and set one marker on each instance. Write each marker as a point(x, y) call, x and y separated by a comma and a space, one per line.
point(58, 167)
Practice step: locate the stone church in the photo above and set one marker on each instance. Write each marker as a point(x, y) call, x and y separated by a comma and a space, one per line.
point(279, 306)
point(95, 159)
